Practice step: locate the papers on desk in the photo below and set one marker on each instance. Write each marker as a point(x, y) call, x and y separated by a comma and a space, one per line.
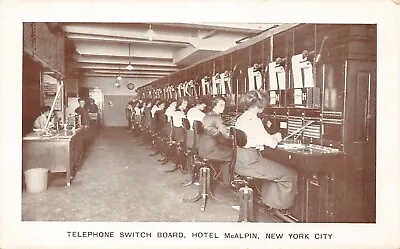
point(291, 146)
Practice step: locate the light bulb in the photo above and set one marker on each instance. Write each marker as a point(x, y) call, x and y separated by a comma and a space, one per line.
point(119, 77)
point(150, 33)
point(129, 67)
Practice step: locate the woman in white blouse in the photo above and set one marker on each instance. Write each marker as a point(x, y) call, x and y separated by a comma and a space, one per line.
point(155, 107)
point(281, 186)
point(177, 116)
point(40, 121)
point(168, 113)
point(136, 110)
point(195, 114)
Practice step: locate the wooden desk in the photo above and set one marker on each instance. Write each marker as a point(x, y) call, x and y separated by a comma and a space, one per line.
point(59, 152)
point(321, 182)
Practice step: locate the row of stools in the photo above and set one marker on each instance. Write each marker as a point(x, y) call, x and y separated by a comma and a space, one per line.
point(187, 159)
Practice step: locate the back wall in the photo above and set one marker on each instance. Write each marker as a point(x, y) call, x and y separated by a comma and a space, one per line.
point(115, 98)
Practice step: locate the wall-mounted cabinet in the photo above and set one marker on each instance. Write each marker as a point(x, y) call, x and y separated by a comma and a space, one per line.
point(45, 46)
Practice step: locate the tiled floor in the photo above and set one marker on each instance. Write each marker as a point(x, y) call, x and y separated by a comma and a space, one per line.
point(119, 181)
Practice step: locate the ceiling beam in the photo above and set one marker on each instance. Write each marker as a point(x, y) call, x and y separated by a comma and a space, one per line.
point(123, 60)
point(121, 39)
point(131, 76)
point(108, 56)
point(117, 66)
point(228, 27)
point(122, 51)
point(106, 70)
point(126, 74)
point(133, 33)
point(209, 34)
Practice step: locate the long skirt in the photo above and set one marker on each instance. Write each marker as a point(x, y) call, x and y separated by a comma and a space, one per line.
point(210, 149)
point(280, 185)
point(166, 129)
point(189, 139)
point(137, 118)
point(178, 134)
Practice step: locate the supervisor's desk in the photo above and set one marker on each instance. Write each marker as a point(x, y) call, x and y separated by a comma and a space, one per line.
point(59, 151)
point(321, 181)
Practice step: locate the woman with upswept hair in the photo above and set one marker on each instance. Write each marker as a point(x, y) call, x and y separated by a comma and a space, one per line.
point(215, 143)
point(196, 113)
point(166, 130)
point(177, 116)
point(280, 186)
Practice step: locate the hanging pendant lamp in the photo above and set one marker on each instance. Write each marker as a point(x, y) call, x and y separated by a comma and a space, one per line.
point(129, 67)
point(150, 33)
point(119, 77)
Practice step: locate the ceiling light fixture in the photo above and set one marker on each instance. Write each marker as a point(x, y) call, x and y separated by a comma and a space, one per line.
point(150, 33)
point(119, 77)
point(129, 67)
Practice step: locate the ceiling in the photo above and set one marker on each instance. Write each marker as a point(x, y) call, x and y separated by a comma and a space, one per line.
point(153, 49)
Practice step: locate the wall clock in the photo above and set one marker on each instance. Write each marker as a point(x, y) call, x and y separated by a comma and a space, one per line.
point(130, 86)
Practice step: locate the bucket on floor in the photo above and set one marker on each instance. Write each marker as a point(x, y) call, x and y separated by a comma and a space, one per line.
point(36, 179)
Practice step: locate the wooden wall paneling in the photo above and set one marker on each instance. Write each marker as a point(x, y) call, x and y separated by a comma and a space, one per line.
point(227, 62)
point(209, 68)
point(197, 77)
point(40, 42)
point(289, 53)
point(218, 62)
point(53, 51)
point(304, 38)
point(197, 72)
point(279, 44)
point(280, 50)
point(238, 84)
point(178, 78)
point(28, 37)
point(266, 59)
point(257, 53)
point(30, 93)
point(60, 54)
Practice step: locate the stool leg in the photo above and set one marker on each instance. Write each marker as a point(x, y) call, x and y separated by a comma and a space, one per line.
point(250, 205)
point(246, 205)
point(242, 204)
point(194, 175)
point(202, 187)
point(154, 146)
point(166, 155)
point(205, 186)
point(178, 158)
point(209, 193)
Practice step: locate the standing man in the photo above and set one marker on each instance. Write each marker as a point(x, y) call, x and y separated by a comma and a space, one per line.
point(83, 112)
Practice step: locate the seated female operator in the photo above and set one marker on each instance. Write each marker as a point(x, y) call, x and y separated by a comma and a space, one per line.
point(281, 186)
point(196, 113)
point(177, 116)
point(166, 130)
point(215, 143)
point(40, 121)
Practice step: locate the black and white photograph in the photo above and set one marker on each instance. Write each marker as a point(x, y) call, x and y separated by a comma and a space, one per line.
point(259, 122)
point(174, 128)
